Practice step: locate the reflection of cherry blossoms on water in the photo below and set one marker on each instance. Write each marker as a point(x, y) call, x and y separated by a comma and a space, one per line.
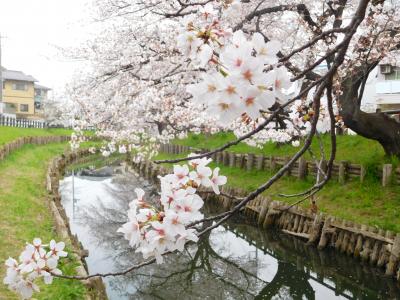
point(234, 261)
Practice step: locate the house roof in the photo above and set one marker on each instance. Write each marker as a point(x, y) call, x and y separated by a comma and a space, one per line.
point(16, 75)
point(41, 87)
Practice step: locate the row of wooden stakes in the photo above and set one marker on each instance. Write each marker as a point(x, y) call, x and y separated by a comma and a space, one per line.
point(342, 170)
point(377, 247)
point(6, 149)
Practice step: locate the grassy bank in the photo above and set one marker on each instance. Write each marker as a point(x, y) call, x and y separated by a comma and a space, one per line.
point(8, 134)
point(366, 203)
point(24, 211)
point(355, 149)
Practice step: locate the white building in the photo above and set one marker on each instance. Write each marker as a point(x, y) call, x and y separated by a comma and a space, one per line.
point(382, 91)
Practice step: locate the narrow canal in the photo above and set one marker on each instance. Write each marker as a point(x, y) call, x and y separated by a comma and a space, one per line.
point(236, 261)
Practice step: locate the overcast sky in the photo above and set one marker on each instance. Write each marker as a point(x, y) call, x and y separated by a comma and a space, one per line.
point(31, 30)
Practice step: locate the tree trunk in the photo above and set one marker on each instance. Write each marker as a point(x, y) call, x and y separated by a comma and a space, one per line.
point(375, 126)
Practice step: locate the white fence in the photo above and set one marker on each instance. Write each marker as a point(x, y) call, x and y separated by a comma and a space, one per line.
point(13, 122)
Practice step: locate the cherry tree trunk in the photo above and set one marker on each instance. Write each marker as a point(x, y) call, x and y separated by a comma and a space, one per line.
point(376, 126)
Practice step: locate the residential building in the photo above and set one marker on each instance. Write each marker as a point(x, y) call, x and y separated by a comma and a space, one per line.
point(40, 98)
point(382, 90)
point(22, 97)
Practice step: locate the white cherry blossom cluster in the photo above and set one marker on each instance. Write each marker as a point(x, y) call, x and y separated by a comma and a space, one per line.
point(36, 261)
point(155, 230)
point(77, 137)
point(246, 79)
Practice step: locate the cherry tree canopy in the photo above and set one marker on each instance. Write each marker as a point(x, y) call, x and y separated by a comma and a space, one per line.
point(268, 70)
point(144, 62)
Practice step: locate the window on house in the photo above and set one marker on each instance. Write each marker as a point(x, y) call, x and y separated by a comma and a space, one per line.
point(20, 86)
point(10, 108)
point(394, 75)
point(24, 107)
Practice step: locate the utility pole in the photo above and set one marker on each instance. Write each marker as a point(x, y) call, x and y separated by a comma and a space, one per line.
point(1, 82)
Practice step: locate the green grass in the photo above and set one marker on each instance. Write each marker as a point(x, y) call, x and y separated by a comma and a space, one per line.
point(8, 134)
point(24, 213)
point(366, 203)
point(354, 149)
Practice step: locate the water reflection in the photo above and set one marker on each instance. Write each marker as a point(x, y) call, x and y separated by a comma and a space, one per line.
point(235, 261)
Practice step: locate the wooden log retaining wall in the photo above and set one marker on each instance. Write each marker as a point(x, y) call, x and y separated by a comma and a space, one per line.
point(342, 171)
point(374, 246)
point(55, 171)
point(37, 140)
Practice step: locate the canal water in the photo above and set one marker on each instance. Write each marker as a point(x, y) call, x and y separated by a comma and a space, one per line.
point(235, 261)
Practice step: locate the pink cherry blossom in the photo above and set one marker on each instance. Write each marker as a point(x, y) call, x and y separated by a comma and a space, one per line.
point(56, 250)
point(267, 51)
point(201, 175)
point(217, 181)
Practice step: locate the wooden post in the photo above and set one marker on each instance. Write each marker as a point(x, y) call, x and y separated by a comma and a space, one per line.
point(352, 241)
point(376, 248)
point(363, 172)
point(296, 223)
point(392, 265)
point(359, 242)
point(225, 158)
point(365, 253)
point(342, 172)
point(323, 166)
point(250, 161)
point(326, 230)
point(316, 229)
point(220, 158)
point(270, 216)
point(241, 161)
point(272, 163)
point(214, 157)
point(384, 253)
point(302, 174)
point(339, 239)
point(263, 212)
point(346, 238)
point(259, 162)
point(287, 159)
point(232, 158)
point(387, 174)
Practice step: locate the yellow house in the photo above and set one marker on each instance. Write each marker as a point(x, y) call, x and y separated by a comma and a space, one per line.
point(18, 93)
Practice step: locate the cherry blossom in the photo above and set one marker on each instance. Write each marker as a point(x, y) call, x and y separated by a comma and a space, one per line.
point(56, 250)
point(267, 51)
point(154, 229)
point(155, 73)
point(201, 175)
point(36, 261)
point(217, 181)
